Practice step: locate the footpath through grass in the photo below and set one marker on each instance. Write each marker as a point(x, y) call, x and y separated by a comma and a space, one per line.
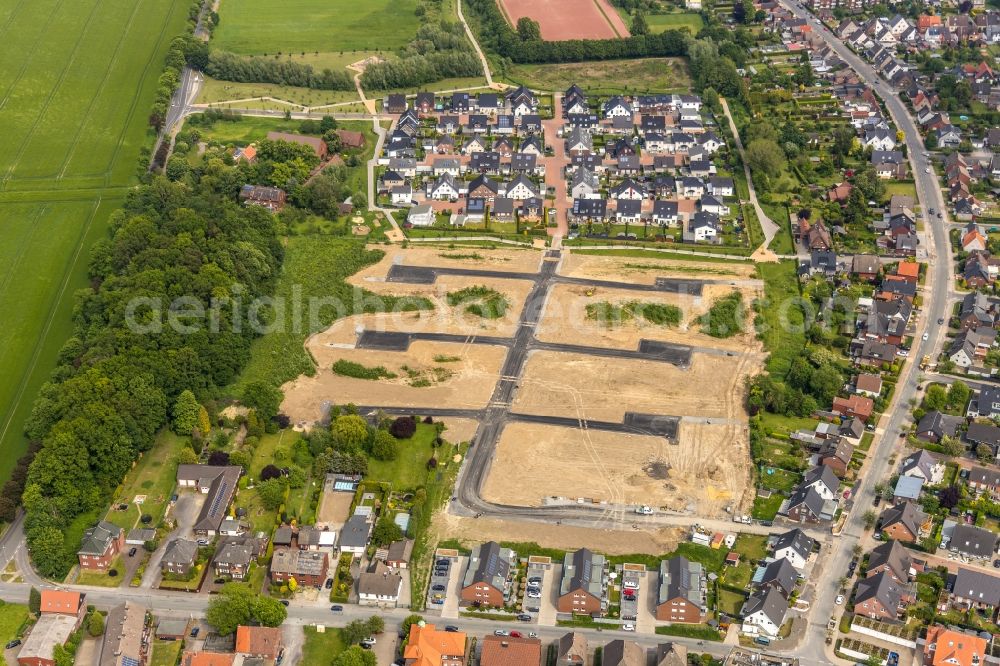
point(86, 75)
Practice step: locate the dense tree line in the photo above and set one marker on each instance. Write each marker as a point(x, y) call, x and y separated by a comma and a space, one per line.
point(497, 35)
point(174, 64)
point(231, 67)
point(438, 51)
point(125, 363)
point(812, 383)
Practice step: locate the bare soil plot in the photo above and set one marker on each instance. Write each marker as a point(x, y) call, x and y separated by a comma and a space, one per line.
point(708, 470)
point(547, 535)
point(334, 508)
point(565, 317)
point(642, 270)
point(459, 430)
point(603, 389)
point(519, 261)
point(461, 376)
point(568, 19)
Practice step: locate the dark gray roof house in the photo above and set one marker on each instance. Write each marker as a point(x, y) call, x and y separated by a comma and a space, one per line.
point(890, 556)
point(492, 564)
point(971, 585)
point(781, 575)
point(355, 533)
point(882, 589)
point(680, 578)
point(180, 553)
point(934, 425)
point(984, 433)
point(795, 541)
point(219, 483)
point(770, 602)
point(973, 541)
point(905, 514)
point(96, 539)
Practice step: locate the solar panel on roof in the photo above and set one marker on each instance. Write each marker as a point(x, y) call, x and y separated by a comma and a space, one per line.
point(129, 661)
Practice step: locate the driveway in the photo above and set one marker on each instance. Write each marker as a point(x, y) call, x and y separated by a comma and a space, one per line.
point(648, 596)
point(551, 580)
point(294, 637)
point(185, 511)
point(454, 585)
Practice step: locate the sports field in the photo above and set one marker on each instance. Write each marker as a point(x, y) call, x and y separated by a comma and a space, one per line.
point(76, 83)
point(327, 26)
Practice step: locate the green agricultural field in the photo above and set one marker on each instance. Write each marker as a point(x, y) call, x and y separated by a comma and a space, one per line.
point(296, 26)
point(605, 77)
point(76, 85)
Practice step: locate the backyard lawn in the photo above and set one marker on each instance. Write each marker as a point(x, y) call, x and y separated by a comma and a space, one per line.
point(766, 508)
point(751, 546)
point(154, 476)
point(165, 653)
point(101, 578)
point(12, 618)
point(321, 647)
point(409, 470)
point(730, 602)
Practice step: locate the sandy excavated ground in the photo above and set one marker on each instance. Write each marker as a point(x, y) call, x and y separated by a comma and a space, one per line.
point(469, 385)
point(334, 509)
point(459, 430)
point(565, 318)
point(603, 389)
point(641, 270)
point(608, 541)
point(708, 470)
point(518, 261)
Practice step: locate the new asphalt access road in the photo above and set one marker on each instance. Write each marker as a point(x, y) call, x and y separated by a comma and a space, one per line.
point(497, 414)
point(649, 350)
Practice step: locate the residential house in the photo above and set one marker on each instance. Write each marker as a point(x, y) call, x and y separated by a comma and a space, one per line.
point(429, 646)
point(854, 406)
point(259, 642)
point(100, 546)
point(670, 654)
point(510, 651)
point(984, 434)
point(823, 479)
point(764, 612)
point(50, 630)
point(380, 586)
point(986, 404)
point(623, 653)
point(880, 597)
point(923, 465)
point(63, 602)
point(421, 215)
point(682, 592)
point(903, 522)
point(951, 647)
point(970, 347)
point(583, 589)
point(893, 559)
point(219, 484)
point(521, 188)
point(973, 541)
point(780, 575)
point(868, 384)
point(702, 227)
point(271, 198)
point(977, 310)
point(806, 505)
point(398, 554)
point(125, 642)
point(233, 559)
point(355, 533)
point(307, 567)
point(584, 185)
point(907, 488)
point(795, 546)
point(179, 556)
point(665, 213)
point(589, 210)
point(572, 649)
point(865, 267)
point(487, 580)
point(984, 480)
point(972, 589)
point(934, 425)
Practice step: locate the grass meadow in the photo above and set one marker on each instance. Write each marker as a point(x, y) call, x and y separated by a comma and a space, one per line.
point(76, 83)
point(607, 76)
point(255, 27)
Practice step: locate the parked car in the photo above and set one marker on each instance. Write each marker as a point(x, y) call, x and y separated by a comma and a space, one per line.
point(535, 580)
point(13, 644)
point(452, 628)
point(328, 584)
point(132, 551)
point(337, 608)
point(501, 632)
point(515, 634)
point(283, 602)
point(437, 602)
point(438, 588)
point(839, 600)
point(524, 617)
point(628, 626)
point(195, 632)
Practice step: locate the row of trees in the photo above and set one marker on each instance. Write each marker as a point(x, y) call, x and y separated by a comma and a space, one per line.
point(438, 51)
point(175, 61)
point(241, 69)
point(495, 34)
point(125, 363)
